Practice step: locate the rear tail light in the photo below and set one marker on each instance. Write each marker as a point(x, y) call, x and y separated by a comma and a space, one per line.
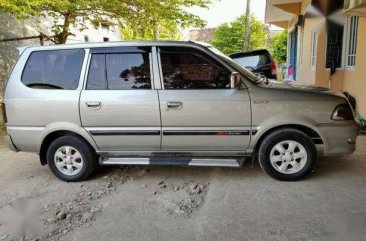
point(343, 112)
point(3, 111)
point(273, 68)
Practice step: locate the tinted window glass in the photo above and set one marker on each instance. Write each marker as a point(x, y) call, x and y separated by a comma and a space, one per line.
point(253, 60)
point(97, 73)
point(56, 69)
point(191, 71)
point(128, 71)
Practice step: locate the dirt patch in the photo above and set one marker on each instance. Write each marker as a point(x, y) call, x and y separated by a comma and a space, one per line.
point(54, 210)
point(196, 197)
point(181, 199)
point(2, 128)
point(53, 220)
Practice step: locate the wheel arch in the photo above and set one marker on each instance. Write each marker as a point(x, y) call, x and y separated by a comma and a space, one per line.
point(62, 129)
point(311, 132)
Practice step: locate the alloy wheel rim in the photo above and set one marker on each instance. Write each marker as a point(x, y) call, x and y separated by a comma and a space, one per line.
point(288, 157)
point(68, 160)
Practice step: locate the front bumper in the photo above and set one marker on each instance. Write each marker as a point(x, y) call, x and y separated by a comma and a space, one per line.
point(340, 139)
point(10, 143)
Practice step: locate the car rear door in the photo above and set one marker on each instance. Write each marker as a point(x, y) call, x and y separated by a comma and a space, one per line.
point(199, 109)
point(119, 106)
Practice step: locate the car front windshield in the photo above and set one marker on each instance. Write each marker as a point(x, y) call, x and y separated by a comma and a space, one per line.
point(252, 77)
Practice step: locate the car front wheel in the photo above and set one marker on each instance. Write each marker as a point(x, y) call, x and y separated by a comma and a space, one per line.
point(287, 154)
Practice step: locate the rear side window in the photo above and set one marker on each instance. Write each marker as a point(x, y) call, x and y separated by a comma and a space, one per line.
point(128, 71)
point(253, 60)
point(54, 69)
point(119, 71)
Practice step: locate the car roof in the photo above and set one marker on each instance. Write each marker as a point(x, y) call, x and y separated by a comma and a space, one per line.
point(248, 53)
point(115, 44)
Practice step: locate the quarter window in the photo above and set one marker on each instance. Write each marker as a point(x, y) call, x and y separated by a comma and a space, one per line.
point(97, 79)
point(54, 69)
point(184, 69)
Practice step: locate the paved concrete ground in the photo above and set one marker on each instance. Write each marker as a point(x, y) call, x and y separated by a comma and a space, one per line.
point(179, 203)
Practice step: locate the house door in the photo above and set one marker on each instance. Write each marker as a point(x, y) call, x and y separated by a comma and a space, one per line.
point(293, 51)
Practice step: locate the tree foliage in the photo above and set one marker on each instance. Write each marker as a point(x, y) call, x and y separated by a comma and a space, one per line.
point(135, 14)
point(146, 30)
point(279, 47)
point(229, 37)
point(162, 19)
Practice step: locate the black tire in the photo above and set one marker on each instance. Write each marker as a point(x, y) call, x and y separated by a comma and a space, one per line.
point(287, 134)
point(87, 152)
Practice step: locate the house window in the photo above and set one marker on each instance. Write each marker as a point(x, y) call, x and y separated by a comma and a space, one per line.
point(86, 39)
point(334, 45)
point(105, 27)
point(105, 39)
point(314, 48)
point(352, 41)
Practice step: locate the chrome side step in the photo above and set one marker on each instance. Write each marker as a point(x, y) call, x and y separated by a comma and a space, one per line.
point(123, 161)
point(215, 162)
point(173, 161)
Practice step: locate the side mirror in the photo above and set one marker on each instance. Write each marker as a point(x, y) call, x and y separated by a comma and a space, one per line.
point(263, 79)
point(235, 81)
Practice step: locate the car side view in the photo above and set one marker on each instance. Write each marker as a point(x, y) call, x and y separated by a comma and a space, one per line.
point(166, 103)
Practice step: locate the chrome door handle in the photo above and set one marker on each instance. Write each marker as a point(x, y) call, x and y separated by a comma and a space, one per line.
point(176, 105)
point(93, 105)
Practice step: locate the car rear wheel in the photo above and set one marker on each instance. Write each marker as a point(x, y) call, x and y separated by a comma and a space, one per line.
point(287, 155)
point(71, 159)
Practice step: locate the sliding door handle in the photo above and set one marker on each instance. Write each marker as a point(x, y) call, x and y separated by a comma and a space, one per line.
point(175, 105)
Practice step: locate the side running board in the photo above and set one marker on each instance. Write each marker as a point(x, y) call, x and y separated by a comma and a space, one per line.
point(173, 161)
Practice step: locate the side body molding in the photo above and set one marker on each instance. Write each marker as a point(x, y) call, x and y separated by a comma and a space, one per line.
point(67, 126)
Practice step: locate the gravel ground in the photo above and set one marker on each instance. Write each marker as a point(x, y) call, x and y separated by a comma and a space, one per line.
point(181, 203)
point(2, 127)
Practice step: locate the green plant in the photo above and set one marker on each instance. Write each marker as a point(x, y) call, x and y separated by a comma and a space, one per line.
point(360, 119)
point(279, 47)
point(161, 19)
point(147, 30)
point(229, 37)
point(134, 13)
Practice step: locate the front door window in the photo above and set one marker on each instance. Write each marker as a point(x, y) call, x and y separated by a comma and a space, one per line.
point(187, 69)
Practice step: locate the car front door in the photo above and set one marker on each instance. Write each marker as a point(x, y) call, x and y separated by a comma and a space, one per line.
point(119, 106)
point(199, 109)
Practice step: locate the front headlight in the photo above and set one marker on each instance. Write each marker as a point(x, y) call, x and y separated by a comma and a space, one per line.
point(343, 112)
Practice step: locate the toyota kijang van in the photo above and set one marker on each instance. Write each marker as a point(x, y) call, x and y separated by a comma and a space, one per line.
point(166, 103)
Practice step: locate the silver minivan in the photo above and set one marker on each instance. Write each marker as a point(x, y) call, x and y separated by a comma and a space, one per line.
point(166, 103)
